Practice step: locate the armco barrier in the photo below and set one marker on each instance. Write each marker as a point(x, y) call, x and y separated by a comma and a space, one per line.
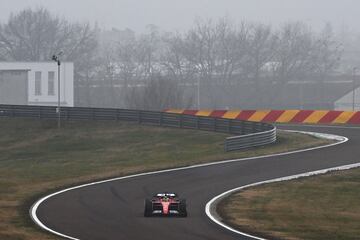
point(280, 116)
point(251, 133)
point(261, 138)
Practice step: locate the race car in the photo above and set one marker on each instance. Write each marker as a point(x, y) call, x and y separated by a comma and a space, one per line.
point(165, 204)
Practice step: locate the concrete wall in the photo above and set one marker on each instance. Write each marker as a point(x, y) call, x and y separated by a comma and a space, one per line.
point(66, 82)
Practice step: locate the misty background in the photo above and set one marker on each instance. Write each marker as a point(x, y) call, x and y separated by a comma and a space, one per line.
point(193, 54)
point(173, 15)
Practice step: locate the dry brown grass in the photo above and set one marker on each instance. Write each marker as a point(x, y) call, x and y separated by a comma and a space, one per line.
point(323, 207)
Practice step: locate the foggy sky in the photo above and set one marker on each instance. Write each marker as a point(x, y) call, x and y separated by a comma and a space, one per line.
point(179, 14)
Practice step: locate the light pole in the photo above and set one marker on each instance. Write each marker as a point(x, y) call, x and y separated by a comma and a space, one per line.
point(56, 58)
point(353, 83)
point(198, 92)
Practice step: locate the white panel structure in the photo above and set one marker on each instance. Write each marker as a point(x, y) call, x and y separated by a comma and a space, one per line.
point(42, 82)
point(349, 101)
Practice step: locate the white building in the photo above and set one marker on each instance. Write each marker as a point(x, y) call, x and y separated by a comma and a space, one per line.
point(36, 83)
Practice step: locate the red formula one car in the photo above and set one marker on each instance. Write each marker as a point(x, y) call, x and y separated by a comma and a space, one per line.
point(165, 204)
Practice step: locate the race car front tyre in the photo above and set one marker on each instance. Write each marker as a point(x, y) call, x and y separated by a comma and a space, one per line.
point(148, 208)
point(182, 208)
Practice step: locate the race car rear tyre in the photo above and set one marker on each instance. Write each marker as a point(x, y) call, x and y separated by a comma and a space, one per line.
point(148, 208)
point(182, 208)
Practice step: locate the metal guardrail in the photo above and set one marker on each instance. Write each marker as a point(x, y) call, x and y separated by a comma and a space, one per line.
point(250, 140)
point(251, 134)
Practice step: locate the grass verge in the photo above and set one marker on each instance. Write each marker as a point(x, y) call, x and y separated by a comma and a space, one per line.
point(319, 207)
point(37, 158)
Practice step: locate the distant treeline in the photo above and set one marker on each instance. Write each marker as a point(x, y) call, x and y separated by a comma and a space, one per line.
point(158, 70)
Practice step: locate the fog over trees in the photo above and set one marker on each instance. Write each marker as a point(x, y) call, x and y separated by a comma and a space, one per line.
point(217, 63)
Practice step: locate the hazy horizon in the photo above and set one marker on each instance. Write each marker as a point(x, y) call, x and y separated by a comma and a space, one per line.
point(173, 15)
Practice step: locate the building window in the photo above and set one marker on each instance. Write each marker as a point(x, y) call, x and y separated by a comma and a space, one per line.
point(51, 83)
point(37, 83)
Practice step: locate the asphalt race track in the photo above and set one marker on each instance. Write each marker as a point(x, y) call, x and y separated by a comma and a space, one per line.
point(114, 210)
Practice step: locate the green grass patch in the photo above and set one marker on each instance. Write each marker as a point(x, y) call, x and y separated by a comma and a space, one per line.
point(36, 158)
point(321, 207)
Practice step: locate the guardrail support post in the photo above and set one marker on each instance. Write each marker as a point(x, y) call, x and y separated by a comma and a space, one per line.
point(139, 117)
point(117, 113)
point(229, 125)
point(253, 127)
point(161, 119)
point(180, 121)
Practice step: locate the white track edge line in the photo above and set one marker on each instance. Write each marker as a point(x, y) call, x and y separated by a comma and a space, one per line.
point(36, 205)
point(316, 126)
point(211, 205)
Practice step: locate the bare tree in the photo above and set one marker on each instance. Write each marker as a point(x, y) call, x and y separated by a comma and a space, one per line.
point(175, 58)
point(138, 62)
point(262, 48)
point(148, 52)
point(129, 68)
point(293, 55)
point(159, 93)
point(232, 49)
point(34, 35)
point(218, 50)
point(30, 35)
point(326, 57)
point(327, 53)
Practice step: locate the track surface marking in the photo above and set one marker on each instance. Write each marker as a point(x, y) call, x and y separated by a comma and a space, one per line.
point(114, 209)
